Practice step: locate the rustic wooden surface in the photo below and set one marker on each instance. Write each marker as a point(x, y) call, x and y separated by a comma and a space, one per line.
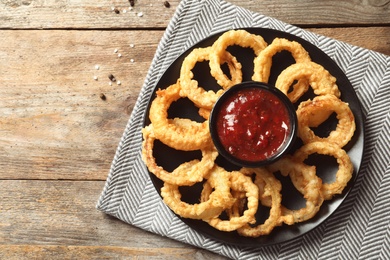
point(57, 135)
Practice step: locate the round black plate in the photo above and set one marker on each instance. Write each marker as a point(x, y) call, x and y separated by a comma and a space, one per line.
point(326, 166)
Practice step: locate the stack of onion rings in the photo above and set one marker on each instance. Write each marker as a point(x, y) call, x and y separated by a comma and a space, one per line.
point(230, 200)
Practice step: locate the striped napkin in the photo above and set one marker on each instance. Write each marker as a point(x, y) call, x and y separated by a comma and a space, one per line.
point(359, 229)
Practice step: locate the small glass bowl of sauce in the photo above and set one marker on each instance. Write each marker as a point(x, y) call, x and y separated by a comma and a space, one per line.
point(253, 124)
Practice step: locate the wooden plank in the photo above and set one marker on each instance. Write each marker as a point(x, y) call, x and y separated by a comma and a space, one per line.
point(373, 38)
point(21, 252)
point(53, 123)
point(58, 218)
point(99, 14)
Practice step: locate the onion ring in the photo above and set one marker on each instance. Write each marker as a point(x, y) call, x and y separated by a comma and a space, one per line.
point(305, 180)
point(219, 199)
point(263, 62)
point(187, 173)
point(239, 183)
point(344, 172)
point(233, 37)
point(189, 86)
point(269, 187)
point(180, 134)
point(312, 113)
point(321, 81)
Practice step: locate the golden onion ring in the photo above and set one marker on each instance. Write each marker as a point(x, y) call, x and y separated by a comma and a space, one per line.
point(189, 86)
point(263, 62)
point(269, 187)
point(305, 180)
point(181, 134)
point(187, 173)
point(312, 113)
point(219, 199)
point(321, 81)
point(233, 37)
point(244, 184)
point(344, 172)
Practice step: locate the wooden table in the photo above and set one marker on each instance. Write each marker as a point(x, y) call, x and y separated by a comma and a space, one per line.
point(61, 120)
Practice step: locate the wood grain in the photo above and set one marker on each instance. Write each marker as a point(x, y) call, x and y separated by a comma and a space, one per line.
point(27, 252)
point(372, 38)
point(43, 219)
point(49, 14)
point(53, 123)
point(58, 135)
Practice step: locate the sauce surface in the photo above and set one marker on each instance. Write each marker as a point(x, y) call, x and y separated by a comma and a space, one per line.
point(253, 124)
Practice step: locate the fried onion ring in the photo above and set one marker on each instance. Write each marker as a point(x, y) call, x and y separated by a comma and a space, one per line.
point(321, 81)
point(233, 37)
point(219, 199)
point(344, 172)
point(263, 62)
point(185, 174)
point(305, 180)
point(312, 113)
point(181, 134)
point(244, 184)
point(269, 187)
point(189, 86)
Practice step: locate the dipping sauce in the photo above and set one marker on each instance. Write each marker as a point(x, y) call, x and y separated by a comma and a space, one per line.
point(253, 124)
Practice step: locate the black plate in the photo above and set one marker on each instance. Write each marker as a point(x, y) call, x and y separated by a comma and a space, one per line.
point(326, 166)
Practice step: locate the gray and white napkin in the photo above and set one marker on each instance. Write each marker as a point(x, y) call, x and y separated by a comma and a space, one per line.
point(359, 229)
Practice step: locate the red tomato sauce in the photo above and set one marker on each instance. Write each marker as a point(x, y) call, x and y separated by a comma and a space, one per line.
point(253, 124)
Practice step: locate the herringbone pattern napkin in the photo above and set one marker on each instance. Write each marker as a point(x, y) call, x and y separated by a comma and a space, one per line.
point(359, 229)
